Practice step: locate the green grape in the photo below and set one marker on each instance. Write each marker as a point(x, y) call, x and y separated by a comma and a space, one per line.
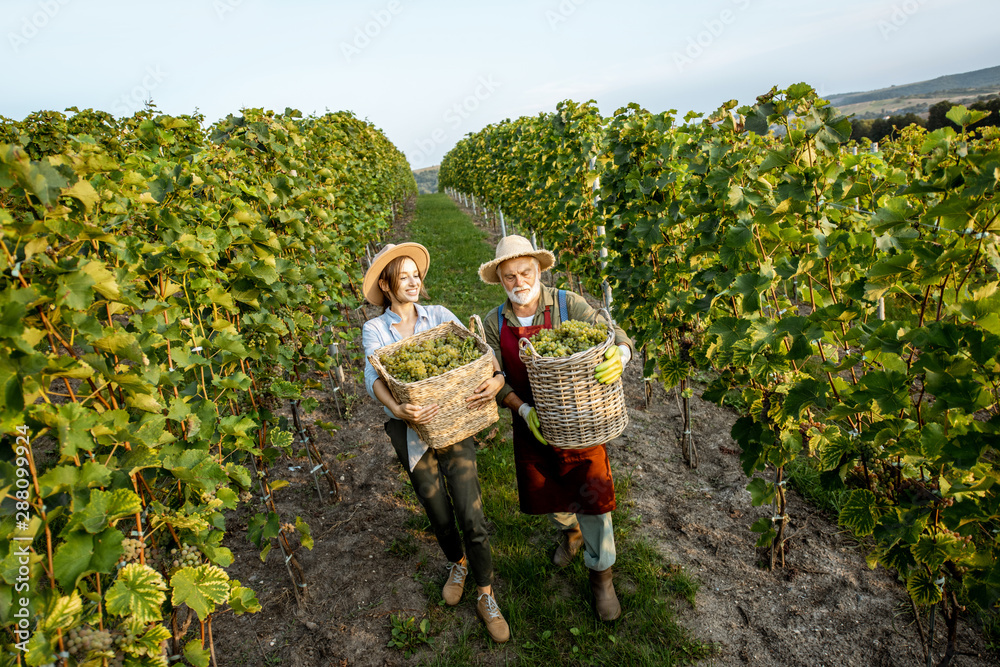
point(568, 338)
point(187, 556)
point(190, 556)
point(83, 640)
point(429, 358)
point(132, 549)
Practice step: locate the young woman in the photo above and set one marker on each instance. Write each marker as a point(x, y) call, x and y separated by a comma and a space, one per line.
point(446, 480)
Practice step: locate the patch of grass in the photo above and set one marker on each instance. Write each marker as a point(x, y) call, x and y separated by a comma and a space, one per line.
point(457, 248)
point(403, 547)
point(418, 521)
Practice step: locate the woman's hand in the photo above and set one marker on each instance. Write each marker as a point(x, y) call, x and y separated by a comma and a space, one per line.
point(486, 392)
point(415, 414)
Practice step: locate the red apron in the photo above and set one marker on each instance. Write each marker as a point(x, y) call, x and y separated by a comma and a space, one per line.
point(550, 479)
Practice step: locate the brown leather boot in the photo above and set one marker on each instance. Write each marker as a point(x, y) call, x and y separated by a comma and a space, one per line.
point(605, 601)
point(572, 540)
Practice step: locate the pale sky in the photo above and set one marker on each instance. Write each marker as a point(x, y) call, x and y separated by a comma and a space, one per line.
point(427, 73)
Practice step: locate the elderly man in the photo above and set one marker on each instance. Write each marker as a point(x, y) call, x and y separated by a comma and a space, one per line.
point(573, 486)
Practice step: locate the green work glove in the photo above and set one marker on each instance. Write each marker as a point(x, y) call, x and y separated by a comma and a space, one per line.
point(530, 417)
point(611, 368)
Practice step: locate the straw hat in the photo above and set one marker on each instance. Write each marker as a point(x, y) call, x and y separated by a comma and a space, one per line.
point(391, 251)
point(512, 247)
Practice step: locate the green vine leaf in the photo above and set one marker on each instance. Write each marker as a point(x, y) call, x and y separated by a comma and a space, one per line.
point(761, 492)
point(305, 534)
point(200, 588)
point(138, 592)
point(860, 513)
point(62, 612)
point(242, 599)
point(924, 587)
point(103, 508)
point(196, 654)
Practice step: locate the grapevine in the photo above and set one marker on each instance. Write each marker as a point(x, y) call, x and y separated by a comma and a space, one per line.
point(155, 268)
point(845, 300)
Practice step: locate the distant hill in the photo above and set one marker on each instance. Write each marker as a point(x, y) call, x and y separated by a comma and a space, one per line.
point(427, 179)
point(918, 97)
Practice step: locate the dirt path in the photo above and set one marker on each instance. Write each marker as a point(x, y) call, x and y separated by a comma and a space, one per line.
point(825, 608)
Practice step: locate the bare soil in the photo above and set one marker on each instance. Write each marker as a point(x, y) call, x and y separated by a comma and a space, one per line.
point(826, 607)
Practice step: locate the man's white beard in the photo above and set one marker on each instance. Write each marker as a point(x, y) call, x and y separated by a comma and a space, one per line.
point(525, 298)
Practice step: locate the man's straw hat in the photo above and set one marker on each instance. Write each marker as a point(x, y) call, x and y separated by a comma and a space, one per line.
point(391, 251)
point(512, 247)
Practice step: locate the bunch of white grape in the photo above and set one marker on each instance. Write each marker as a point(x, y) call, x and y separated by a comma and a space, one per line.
point(81, 641)
point(188, 556)
point(568, 338)
point(133, 548)
point(429, 358)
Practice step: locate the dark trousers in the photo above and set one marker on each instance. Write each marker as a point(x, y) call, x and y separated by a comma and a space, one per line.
point(446, 482)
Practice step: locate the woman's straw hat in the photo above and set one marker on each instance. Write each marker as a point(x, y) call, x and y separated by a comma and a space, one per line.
point(391, 251)
point(512, 247)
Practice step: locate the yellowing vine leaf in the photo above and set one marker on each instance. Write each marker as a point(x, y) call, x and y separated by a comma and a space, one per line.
point(138, 592)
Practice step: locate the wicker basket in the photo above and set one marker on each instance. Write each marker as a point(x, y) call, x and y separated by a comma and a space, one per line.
point(453, 421)
point(574, 409)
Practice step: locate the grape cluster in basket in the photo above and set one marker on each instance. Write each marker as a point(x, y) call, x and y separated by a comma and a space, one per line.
point(568, 338)
point(428, 358)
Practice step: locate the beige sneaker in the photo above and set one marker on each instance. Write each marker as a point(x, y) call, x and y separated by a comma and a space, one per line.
point(488, 610)
point(455, 586)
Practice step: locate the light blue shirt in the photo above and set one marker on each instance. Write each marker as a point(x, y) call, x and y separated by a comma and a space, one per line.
point(379, 332)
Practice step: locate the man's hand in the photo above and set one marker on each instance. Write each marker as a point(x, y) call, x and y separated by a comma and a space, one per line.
point(530, 417)
point(611, 368)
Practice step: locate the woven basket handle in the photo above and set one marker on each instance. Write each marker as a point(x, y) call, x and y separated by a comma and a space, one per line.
point(603, 312)
point(476, 326)
point(525, 344)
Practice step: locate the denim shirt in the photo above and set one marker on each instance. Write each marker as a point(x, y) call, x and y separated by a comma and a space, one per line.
point(379, 332)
